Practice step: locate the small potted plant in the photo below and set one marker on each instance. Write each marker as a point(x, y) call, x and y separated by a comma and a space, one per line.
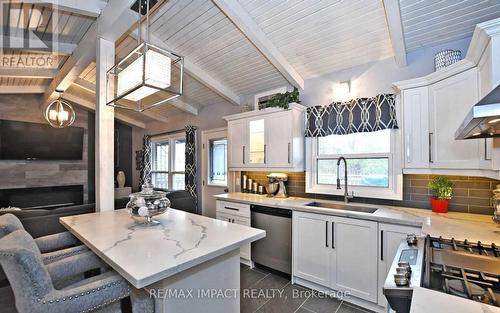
point(441, 188)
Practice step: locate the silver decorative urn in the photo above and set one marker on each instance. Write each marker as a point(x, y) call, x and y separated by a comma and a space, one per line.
point(148, 203)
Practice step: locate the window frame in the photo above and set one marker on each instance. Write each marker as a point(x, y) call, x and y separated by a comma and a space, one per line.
point(170, 139)
point(210, 157)
point(394, 190)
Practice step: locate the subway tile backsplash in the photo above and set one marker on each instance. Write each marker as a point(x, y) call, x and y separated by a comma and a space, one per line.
point(470, 194)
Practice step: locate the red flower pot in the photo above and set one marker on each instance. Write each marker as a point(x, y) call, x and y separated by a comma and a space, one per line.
point(439, 205)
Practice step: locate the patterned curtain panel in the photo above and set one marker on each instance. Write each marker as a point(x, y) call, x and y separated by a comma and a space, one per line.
point(190, 177)
point(355, 116)
point(146, 161)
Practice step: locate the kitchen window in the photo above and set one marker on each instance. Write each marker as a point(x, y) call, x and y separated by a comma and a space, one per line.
point(168, 162)
point(217, 174)
point(373, 164)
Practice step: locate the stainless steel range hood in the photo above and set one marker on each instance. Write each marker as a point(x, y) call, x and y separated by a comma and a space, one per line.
point(483, 120)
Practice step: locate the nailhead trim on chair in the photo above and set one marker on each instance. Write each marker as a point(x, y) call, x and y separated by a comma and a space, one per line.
point(49, 258)
point(37, 292)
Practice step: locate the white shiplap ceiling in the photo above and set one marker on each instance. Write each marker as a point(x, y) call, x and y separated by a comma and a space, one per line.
point(200, 32)
point(313, 36)
point(318, 37)
point(432, 22)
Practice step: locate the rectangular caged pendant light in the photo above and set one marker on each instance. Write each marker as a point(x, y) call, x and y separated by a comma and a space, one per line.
point(148, 76)
point(143, 79)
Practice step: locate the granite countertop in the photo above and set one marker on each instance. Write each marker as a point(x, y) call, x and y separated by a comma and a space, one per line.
point(425, 300)
point(145, 255)
point(474, 227)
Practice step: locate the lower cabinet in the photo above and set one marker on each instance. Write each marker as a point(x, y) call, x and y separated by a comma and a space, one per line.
point(239, 214)
point(346, 254)
point(335, 252)
point(354, 246)
point(312, 254)
point(389, 237)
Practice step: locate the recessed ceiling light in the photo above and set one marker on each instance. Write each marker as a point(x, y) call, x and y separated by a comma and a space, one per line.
point(476, 134)
point(496, 120)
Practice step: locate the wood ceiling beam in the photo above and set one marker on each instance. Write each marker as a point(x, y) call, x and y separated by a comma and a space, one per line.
point(115, 19)
point(90, 87)
point(26, 72)
point(197, 73)
point(91, 106)
point(395, 25)
point(90, 8)
point(246, 24)
point(22, 89)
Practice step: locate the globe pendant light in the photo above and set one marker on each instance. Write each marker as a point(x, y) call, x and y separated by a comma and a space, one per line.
point(59, 113)
point(144, 78)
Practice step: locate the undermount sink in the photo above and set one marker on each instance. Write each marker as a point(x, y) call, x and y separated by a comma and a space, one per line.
point(345, 207)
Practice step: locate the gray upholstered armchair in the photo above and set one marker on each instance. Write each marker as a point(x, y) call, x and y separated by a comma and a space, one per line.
point(31, 281)
point(54, 247)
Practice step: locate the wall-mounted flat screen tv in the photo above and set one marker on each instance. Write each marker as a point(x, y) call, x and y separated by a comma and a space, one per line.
point(34, 141)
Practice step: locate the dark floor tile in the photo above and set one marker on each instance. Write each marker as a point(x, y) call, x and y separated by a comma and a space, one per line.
point(351, 308)
point(320, 303)
point(292, 298)
point(303, 310)
point(250, 277)
point(263, 291)
point(243, 267)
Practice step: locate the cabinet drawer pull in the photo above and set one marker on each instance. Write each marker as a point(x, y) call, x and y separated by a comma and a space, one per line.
point(230, 208)
point(289, 153)
point(243, 154)
point(381, 245)
point(333, 235)
point(430, 147)
point(265, 153)
point(326, 234)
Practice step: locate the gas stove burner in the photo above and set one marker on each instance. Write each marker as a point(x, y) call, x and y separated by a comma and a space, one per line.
point(457, 288)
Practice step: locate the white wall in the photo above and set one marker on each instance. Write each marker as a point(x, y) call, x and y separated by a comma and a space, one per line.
point(376, 77)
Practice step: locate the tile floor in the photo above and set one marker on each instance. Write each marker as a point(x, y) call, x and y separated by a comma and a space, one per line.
point(264, 292)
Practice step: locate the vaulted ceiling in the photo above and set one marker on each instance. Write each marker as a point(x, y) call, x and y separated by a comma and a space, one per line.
point(234, 48)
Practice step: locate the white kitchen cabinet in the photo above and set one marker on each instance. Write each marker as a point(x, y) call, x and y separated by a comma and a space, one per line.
point(389, 238)
point(433, 109)
point(415, 104)
point(337, 253)
point(279, 139)
point(237, 213)
point(268, 139)
point(237, 143)
point(354, 261)
point(312, 251)
point(449, 102)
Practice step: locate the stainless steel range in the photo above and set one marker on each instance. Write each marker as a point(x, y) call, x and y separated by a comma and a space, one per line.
point(461, 268)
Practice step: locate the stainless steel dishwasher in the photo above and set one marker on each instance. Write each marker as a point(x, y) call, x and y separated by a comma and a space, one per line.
point(275, 250)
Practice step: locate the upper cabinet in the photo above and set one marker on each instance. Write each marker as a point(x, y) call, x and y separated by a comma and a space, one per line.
point(268, 139)
point(449, 102)
point(431, 116)
point(434, 106)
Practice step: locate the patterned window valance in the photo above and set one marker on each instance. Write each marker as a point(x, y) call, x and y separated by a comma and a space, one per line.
point(354, 116)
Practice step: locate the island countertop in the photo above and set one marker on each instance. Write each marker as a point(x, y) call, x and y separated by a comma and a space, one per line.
point(145, 255)
point(474, 227)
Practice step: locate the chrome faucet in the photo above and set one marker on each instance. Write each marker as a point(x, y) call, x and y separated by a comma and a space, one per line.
point(347, 197)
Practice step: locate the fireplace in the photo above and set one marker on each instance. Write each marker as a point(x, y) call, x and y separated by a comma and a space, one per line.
point(42, 197)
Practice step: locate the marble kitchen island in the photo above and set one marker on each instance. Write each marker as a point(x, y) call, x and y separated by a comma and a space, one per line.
point(189, 262)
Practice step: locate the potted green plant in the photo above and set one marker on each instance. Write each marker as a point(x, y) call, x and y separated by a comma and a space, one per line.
point(282, 100)
point(442, 189)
